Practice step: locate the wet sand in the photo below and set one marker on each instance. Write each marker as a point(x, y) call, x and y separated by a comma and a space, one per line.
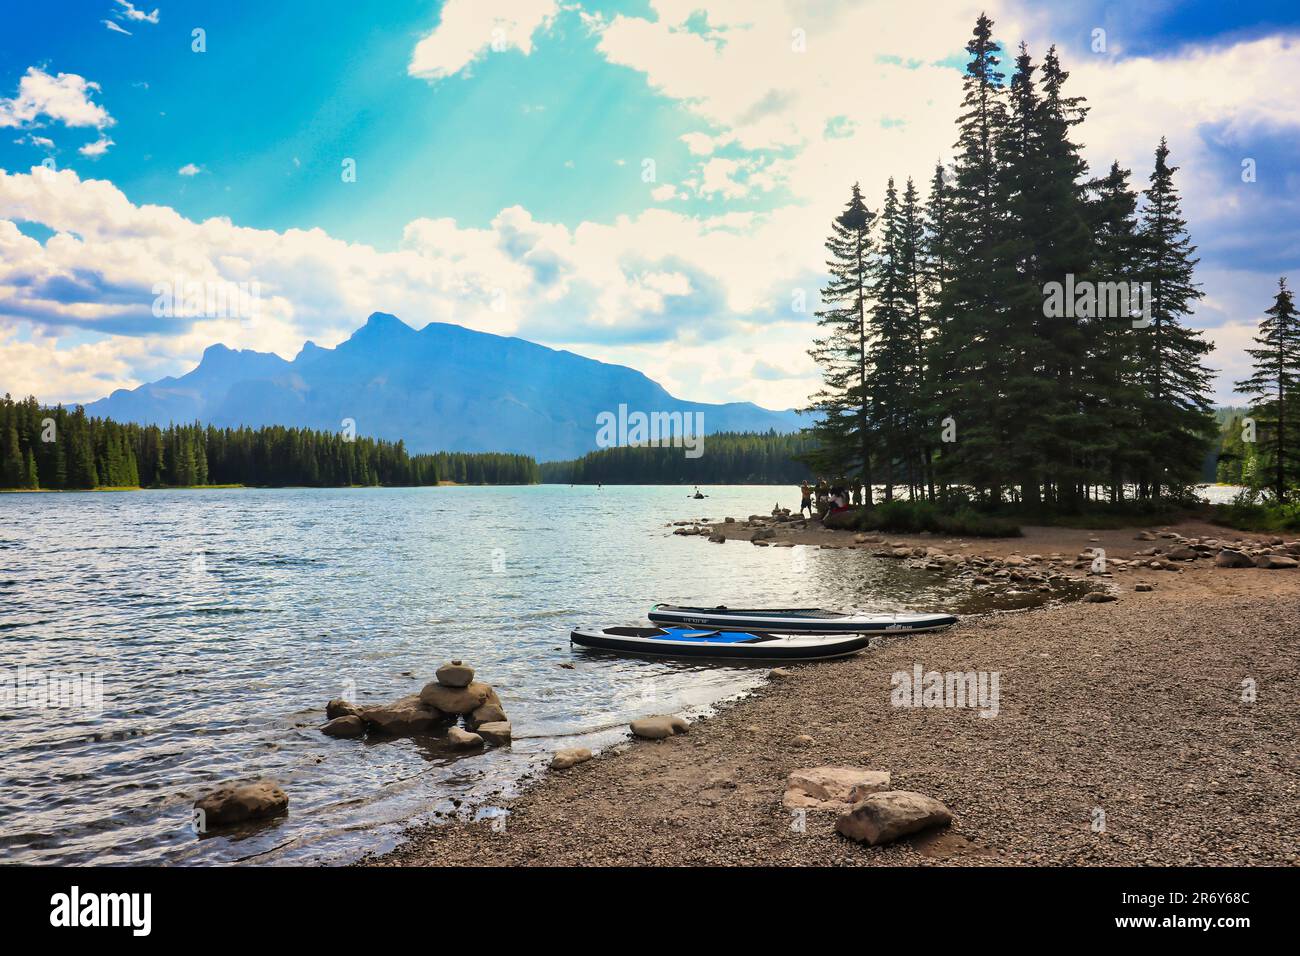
point(1131, 709)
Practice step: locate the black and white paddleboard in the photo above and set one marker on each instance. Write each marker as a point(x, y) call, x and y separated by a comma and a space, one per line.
point(797, 620)
point(728, 644)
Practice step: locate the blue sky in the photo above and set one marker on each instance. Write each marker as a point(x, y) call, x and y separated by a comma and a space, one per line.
point(501, 151)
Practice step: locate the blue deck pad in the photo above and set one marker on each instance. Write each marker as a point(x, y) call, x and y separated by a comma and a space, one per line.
point(709, 637)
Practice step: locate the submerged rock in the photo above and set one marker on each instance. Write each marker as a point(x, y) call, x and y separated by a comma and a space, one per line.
point(349, 725)
point(882, 817)
point(657, 728)
point(241, 802)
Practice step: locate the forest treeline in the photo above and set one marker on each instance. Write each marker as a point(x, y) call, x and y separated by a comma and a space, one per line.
point(740, 458)
point(1020, 334)
point(64, 449)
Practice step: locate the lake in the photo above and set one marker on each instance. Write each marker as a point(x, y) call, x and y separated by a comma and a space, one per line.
point(219, 622)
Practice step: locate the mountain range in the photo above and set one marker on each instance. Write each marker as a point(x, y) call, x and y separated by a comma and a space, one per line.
point(442, 388)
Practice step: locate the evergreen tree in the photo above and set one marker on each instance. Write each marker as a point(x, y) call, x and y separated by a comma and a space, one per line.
point(971, 309)
point(1273, 389)
point(1175, 411)
point(843, 431)
point(889, 347)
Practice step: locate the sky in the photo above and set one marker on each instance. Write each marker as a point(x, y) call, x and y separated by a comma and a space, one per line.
point(646, 182)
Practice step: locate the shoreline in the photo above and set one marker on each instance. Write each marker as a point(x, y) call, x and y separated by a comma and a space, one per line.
point(1133, 709)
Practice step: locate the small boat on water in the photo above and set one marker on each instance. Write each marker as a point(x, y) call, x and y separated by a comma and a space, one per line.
point(797, 620)
point(732, 645)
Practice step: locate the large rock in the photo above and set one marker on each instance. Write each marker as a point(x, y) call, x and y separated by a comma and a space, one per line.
point(832, 788)
point(883, 817)
point(1098, 597)
point(657, 728)
point(339, 707)
point(570, 757)
point(455, 674)
point(240, 803)
point(456, 700)
point(1275, 562)
point(1229, 558)
point(488, 713)
point(497, 733)
point(406, 715)
point(463, 739)
point(348, 725)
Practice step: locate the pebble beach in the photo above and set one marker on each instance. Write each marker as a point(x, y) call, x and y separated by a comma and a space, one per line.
point(1155, 727)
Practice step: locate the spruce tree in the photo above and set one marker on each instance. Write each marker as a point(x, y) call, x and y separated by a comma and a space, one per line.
point(889, 345)
point(843, 428)
point(1273, 390)
point(971, 307)
point(1176, 424)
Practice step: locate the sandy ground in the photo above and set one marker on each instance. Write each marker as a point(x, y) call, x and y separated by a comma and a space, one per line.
point(1122, 737)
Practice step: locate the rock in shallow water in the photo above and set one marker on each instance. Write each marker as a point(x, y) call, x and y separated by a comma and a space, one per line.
point(657, 728)
point(456, 700)
point(347, 726)
point(884, 817)
point(496, 732)
point(339, 707)
point(406, 715)
point(241, 802)
point(463, 739)
point(455, 674)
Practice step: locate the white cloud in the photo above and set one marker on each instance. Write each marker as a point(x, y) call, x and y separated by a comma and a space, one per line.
point(64, 98)
point(189, 169)
point(96, 149)
point(113, 27)
point(129, 12)
point(470, 28)
point(617, 290)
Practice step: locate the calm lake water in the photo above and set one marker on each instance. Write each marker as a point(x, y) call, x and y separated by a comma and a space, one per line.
point(222, 621)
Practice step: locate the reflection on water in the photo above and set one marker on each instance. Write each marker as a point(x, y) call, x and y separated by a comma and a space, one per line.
point(221, 622)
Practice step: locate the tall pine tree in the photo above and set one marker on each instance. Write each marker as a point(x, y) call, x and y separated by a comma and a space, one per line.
point(1273, 391)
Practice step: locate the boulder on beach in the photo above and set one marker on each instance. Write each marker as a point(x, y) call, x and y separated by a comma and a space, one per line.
point(339, 707)
point(1275, 562)
point(883, 817)
point(456, 700)
point(657, 728)
point(349, 725)
point(1231, 558)
point(1144, 587)
point(406, 715)
point(463, 739)
point(496, 733)
point(239, 803)
point(454, 674)
point(570, 757)
point(1098, 597)
point(832, 788)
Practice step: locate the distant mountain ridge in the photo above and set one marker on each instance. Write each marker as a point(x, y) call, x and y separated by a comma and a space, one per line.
point(443, 388)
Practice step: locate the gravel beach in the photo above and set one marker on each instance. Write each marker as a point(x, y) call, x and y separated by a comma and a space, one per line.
point(1126, 733)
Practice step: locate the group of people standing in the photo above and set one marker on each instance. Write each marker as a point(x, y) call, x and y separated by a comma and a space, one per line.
point(829, 497)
